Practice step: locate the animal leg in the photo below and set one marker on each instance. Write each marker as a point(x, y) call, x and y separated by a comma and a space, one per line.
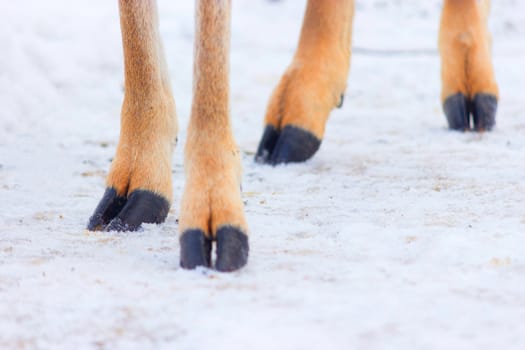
point(469, 88)
point(138, 187)
point(212, 209)
point(312, 85)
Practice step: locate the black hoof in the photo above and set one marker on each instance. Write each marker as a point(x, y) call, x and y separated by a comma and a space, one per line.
point(267, 144)
point(141, 207)
point(294, 145)
point(232, 249)
point(195, 249)
point(109, 206)
point(291, 144)
point(484, 108)
point(456, 108)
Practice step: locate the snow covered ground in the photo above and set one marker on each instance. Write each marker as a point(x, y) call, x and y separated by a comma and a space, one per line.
point(398, 234)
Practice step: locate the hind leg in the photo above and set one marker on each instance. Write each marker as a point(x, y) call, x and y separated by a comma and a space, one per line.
point(469, 89)
point(138, 187)
point(312, 85)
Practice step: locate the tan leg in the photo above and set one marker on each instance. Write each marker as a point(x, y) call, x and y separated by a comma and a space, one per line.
point(212, 208)
point(312, 85)
point(468, 82)
point(139, 187)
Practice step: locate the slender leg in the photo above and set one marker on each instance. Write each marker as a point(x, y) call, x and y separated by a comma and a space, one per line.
point(139, 185)
point(212, 208)
point(468, 83)
point(312, 85)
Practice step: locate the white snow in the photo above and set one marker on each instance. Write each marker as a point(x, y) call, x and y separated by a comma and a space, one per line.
point(398, 234)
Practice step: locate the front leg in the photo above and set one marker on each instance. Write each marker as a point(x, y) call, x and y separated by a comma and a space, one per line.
point(212, 208)
point(312, 85)
point(138, 187)
point(469, 88)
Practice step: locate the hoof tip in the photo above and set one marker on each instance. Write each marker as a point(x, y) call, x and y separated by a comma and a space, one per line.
point(109, 206)
point(289, 145)
point(295, 145)
point(232, 249)
point(195, 249)
point(118, 213)
point(484, 108)
point(267, 145)
point(459, 108)
point(456, 108)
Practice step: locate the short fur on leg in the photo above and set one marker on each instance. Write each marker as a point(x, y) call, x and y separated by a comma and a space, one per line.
point(467, 71)
point(139, 185)
point(312, 85)
point(212, 197)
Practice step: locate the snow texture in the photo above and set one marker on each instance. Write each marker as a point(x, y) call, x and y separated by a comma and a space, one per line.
point(399, 234)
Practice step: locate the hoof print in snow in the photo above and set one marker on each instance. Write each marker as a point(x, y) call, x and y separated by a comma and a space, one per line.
point(484, 108)
point(195, 249)
point(232, 249)
point(117, 213)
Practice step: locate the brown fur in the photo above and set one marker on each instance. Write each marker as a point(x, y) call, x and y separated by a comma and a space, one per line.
point(315, 80)
point(309, 89)
point(148, 120)
point(465, 45)
point(212, 195)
